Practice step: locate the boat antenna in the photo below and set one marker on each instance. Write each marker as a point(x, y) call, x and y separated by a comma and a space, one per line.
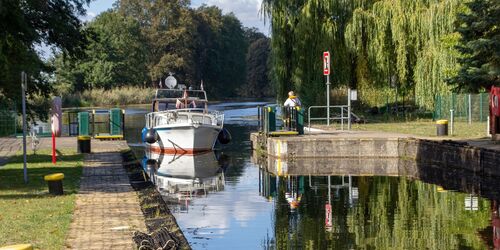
point(201, 84)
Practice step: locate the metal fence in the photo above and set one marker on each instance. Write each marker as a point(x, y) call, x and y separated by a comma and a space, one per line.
point(340, 113)
point(466, 107)
point(11, 123)
point(8, 122)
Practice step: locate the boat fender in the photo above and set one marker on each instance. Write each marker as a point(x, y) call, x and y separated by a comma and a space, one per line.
point(151, 136)
point(224, 136)
point(143, 134)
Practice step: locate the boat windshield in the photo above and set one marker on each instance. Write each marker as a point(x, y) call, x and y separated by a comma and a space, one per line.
point(197, 95)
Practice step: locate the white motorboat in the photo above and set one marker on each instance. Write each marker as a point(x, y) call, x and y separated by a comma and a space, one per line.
point(181, 122)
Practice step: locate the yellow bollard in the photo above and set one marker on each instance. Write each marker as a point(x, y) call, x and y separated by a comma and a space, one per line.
point(54, 182)
point(18, 247)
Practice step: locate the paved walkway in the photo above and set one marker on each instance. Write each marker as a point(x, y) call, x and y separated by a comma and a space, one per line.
point(8, 147)
point(107, 209)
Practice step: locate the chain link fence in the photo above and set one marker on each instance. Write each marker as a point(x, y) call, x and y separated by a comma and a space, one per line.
point(8, 123)
point(466, 107)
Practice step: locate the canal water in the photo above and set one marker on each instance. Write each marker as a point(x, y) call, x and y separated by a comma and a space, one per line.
point(223, 200)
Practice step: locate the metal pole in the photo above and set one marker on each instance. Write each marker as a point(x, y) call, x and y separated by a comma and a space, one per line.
point(481, 107)
point(470, 109)
point(328, 100)
point(451, 121)
point(309, 119)
point(329, 191)
point(342, 117)
point(488, 126)
point(350, 190)
point(349, 109)
point(24, 83)
point(258, 118)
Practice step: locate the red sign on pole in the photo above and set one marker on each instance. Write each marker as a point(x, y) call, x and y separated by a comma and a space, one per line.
point(326, 63)
point(328, 215)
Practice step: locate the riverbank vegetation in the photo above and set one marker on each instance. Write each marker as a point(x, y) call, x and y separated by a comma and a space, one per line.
point(100, 97)
point(29, 213)
point(134, 44)
point(26, 25)
point(387, 49)
point(138, 44)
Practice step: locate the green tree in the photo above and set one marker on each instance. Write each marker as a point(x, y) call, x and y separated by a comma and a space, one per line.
point(169, 30)
point(142, 41)
point(24, 25)
point(257, 81)
point(115, 56)
point(374, 44)
point(233, 49)
point(480, 45)
point(221, 50)
point(252, 34)
point(208, 61)
point(116, 52)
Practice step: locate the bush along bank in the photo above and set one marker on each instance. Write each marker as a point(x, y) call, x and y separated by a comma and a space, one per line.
point(158, 218)
point(112, 97)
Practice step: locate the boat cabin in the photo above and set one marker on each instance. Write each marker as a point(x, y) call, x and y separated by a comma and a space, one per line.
point(171, 99)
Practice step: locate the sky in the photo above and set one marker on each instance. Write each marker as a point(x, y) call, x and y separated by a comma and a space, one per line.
point(248, 11)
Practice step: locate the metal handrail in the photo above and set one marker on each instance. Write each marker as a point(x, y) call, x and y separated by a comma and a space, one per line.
point(341, 118)
point(153, 117)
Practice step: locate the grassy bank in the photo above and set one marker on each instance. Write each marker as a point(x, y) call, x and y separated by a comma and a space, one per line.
point(28, 213)
point(425, 128)
point(112, 97)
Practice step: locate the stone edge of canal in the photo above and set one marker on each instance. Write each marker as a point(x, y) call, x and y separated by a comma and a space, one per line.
point(155, 210)
point(453, 154)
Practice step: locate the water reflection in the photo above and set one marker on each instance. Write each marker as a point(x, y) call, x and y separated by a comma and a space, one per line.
point(495, 223)
point(344, 212)
point(182, 178)
point(230, 202)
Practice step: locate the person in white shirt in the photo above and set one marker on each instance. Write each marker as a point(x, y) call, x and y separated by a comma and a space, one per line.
point(292, 101)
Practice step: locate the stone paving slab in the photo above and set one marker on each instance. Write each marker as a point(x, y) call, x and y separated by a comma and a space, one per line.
point(107, 209)
point(8, 147)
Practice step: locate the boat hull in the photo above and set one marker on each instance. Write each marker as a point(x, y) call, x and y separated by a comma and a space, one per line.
point(185, 139)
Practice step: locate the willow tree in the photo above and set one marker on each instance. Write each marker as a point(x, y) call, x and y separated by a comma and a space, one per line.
point(408, 44)
point(374, 44)
point(301, 31)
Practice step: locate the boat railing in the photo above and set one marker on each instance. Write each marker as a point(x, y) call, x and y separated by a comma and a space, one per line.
point(182, 116)
point(180, 93)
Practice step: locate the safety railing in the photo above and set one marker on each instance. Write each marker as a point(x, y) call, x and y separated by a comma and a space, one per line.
point(342, 115)
point(180, 116)
point(274, 120)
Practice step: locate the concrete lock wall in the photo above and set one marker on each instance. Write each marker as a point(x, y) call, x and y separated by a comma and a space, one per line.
point(363, 156)
point(322, 147)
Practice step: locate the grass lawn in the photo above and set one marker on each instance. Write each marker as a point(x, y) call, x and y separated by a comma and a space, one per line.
point(28, 214)
point(426, 128)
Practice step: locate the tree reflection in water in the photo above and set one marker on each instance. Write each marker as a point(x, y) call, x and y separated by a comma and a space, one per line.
point(346, 212)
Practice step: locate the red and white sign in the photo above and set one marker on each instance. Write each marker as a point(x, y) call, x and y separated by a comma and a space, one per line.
point(328, 215)
point(326, 63)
